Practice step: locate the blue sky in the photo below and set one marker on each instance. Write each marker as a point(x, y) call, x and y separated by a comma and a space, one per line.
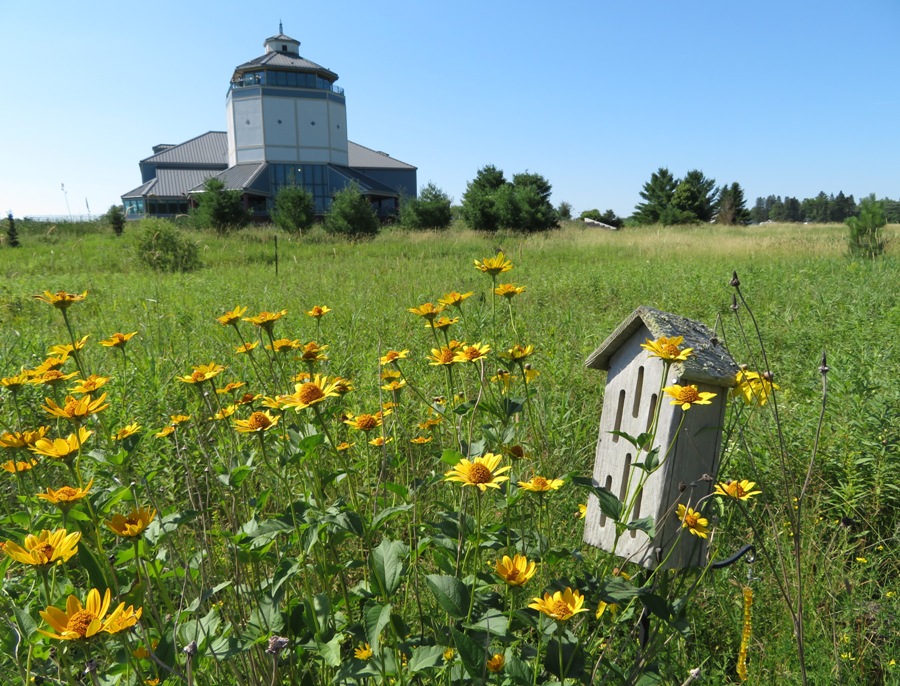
point(788, 97)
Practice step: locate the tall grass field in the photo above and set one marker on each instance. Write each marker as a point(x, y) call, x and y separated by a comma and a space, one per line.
point(311, 461)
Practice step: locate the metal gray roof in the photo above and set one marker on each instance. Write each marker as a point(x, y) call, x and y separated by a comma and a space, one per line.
point(367, 183)
point(210, 148)
point(240, 177)
point(287, 60)
point(710, 362)
point(362, 157)
point(140, 190)
point(177, 182)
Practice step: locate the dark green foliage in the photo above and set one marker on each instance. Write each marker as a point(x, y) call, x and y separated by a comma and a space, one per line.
point(841, 207)
point(12, 233)
point(294, 210)
point(732, 206)
point(351, 214)
point(115, 217)
point(564, 211)
point(431, 210)
point(657, 194)
point(695, 199)
point(815, 209)
point(609, 217)
point(891, 210)
point(478, 203)
point(866, 239)
point(490, 202)
point(220, 209)
point(163, 247)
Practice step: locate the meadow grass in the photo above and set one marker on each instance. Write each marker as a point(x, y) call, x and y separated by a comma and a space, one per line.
point(310, 554)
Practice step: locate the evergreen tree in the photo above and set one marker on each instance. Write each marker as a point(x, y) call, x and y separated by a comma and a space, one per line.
point(220, 209)
point(695, 198)
point(295, 209)
point(760, 212)
point(528, 204)
point(657, 194)
point(479, 209)
point(793, 211)
point(564, 211)
point(732, 206)
point(351, 214)
point(865, 237)
point(115, 217)
point(12, 233)
point(815, 209)
point(431, 210)
point(841, 208)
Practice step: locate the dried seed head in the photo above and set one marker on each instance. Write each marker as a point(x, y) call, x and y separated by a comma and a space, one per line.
point(735, 281)
point(277, 644)
point(824, 368)
point(734, 305)
point(190, 649)
point(768, 376)
point(90, 666)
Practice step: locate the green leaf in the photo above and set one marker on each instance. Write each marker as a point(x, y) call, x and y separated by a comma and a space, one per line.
point(426, 657)
point(225, 647)
point(89, 563)
point(451, 593)
point(473, 656)
point(645, 524)
point(25, 622)
point(657, 605)
point(331, 652)
point(387, 514)
point(377, 617)
point(518, 671)
point(492, 621)
point(387, 563)
point(451, 457)
point(617, 589)
point(610, 505)
point(628, 437)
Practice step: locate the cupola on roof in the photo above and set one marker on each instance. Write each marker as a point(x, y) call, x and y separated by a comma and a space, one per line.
point(282, 52)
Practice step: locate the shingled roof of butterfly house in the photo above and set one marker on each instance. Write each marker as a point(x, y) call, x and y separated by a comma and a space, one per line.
point(686, 470)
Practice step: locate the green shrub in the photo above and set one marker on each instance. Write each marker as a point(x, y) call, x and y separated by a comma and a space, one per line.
point(219, 208)
point(115, 217)
point(163, 247)
point(351, 214)
point(866, 239)
point(295, 209)
point(431, 210)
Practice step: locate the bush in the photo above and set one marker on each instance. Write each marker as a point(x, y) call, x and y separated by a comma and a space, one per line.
point(865, 236)
point(164, 248)
point(431, 210)
point(12, 233)
point(218, 208)
point(351, 214)
point(115, 217)
point(490, 202)
point(609, 217)
point(295, 209)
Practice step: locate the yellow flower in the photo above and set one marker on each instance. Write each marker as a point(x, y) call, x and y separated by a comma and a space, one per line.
point(562, 605)
point(509, 290)
point(141, 652)
point(76, 410)
point(15, 382)
point(51, 377)
point(516, 452)
point(166, 431)
point(126, 432)
point(516, 571)
point(313, 352)
point(364, 652)
point(482, 472)
point(753, 387)
point(283, 345)
point(365, 422)
point(421, 440)
point(90, 384)
point(65, 349)
point(427, 310)
point(539, 484)
point(688, 395)
point(667, 349)
point(246, 347)
point(444, 356)
point(494, 265)
point(449, 654)
point(692, 521)
point(230, 387)
point(256, 422)
point(179, 418)
point(203, 372)
point(232, 316)
point(471, 353)
point(441, 323)
point(309, 393)
point(393, 356)
point(862, 560)
point(61, 300)
point(118, 340)
point(225, 412)
point(495, 664)
point(582, 511)
point(394, 386)
point(132, 525)
point(78, 621)
point(319, 311)
point(380, 441)
point(454, 299)
point(122, 618)
point(61, 448)
point(430, 424)
point(22, 439)
point(266, 320)
point(47, 548)
point(66, 496)
point(518, 352)
point(13, 466)
point(740, 490)
point(341, 385)
point(604, 606)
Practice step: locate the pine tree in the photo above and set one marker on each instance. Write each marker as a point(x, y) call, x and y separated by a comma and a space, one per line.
point(658, 193)
point(12, 233)
point(865, 237)
point(732, 206)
